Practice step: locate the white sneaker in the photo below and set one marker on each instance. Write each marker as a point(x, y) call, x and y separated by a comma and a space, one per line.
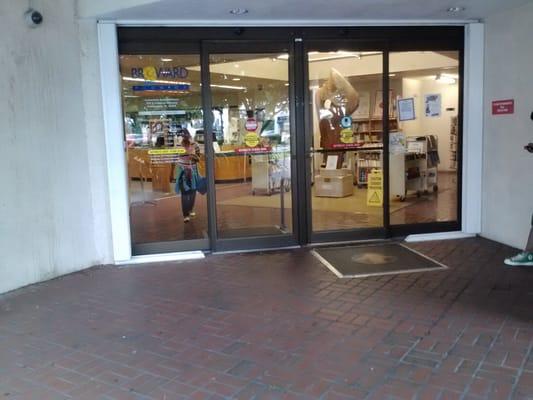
point(186, 219)
point(192, 214)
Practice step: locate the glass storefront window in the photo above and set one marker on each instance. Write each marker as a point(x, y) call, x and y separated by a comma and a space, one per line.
point(424, 148)
point(163, 123)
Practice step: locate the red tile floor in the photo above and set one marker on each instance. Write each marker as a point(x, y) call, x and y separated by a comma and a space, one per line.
point(276, 325)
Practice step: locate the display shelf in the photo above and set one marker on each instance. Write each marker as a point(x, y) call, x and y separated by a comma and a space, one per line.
point(369, 131)
point(453, 142)
point(367, 160)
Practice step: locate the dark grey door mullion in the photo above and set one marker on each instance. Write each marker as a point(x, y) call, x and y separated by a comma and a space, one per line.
point(208, 140)
point(304, 142)
point(297, 141)
point(385, 138)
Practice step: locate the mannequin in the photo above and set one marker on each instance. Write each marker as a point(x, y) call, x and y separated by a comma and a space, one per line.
point(332, 95)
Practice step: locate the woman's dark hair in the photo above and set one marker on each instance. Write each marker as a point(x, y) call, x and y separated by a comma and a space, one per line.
point(187, 137)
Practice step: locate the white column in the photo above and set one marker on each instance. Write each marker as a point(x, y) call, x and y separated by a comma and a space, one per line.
point(114, 138)
point(473, 128)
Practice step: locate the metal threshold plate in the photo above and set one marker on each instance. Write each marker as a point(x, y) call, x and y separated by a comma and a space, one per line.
point(374, 260)
point(251, 232)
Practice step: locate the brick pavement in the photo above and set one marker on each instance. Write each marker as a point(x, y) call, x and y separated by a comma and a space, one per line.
point(276, 325)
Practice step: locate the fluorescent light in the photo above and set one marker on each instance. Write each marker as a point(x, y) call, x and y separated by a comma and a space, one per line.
point(167, 59)
point(235, 79)
point(229, 87)
point(331, 55)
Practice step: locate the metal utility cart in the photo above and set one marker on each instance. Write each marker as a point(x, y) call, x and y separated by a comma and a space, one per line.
point(416, 169)
point(271, 171)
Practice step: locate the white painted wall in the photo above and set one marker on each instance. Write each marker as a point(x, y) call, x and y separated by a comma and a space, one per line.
point(439, 126)
point(507, 168)
point(53, 212)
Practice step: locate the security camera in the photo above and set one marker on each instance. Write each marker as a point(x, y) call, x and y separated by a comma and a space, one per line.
point(33, 18)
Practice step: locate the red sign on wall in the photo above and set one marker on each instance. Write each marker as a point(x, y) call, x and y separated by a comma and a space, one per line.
point(500, 107)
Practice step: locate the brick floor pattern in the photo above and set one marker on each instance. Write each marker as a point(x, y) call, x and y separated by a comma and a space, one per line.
point(274, 325)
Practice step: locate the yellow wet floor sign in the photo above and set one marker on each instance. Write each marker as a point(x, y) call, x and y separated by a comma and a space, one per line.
point(374, 194)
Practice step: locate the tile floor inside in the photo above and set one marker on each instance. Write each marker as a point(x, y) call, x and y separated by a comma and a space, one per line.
point(162, 219)
point(274, 325)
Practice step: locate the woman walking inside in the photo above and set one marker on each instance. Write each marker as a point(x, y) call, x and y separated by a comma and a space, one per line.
point(187, 177)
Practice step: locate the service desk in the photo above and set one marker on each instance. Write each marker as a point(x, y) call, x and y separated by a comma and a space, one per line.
point(229, 167)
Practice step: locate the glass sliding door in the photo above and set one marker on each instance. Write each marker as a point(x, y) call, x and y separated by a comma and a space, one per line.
point(424, 150)
point(264, 137)
point(345, 126)
point(252, 143)
point(163, 120)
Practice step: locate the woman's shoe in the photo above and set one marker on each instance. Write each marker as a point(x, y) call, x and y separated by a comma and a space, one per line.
point(192, 214)
point(186, 219)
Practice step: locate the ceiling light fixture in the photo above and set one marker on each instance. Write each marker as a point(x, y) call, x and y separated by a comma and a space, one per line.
point(444, 78)
point(238, 11)
point(228, 87)
point(455, 9)
point(167, 59)
point(235, 79)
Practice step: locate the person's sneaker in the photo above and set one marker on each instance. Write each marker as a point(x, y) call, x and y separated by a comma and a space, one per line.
point(520, 259)
point(186, 219)
point(192, 214)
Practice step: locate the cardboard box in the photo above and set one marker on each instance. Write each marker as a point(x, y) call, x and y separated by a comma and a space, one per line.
point(328, 173)
point(335, 186)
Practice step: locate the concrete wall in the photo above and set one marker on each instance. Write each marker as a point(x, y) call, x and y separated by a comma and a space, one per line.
point(53, 212)
point(507, 168)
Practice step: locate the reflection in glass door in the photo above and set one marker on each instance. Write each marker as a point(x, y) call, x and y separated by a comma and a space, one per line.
point(345, 91)
point(163, 122)
point(252, 144)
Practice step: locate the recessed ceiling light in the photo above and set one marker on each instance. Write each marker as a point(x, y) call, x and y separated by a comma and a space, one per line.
point(236, 79)
point(238, 11)
point(445, 78)
point(455, 9)
point(166, 59)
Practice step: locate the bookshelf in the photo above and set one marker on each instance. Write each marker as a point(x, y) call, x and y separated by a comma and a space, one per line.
point(453, 143)
point(369, 131)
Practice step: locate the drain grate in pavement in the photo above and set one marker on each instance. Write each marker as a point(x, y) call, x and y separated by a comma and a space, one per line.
point(374, 260)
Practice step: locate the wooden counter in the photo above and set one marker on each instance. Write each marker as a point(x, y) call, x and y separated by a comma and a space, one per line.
point(228, 167)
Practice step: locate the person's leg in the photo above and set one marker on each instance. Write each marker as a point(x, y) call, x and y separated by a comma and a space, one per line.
point(186, 204)
point(529, 245)
point(524, 258)
point(193, 200)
